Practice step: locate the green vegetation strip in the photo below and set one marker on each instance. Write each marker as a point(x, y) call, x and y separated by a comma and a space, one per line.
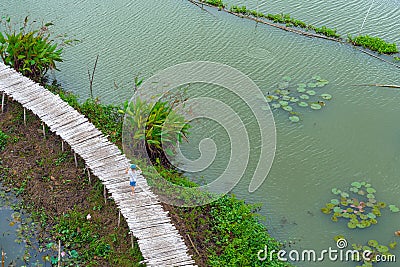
point(372, 43)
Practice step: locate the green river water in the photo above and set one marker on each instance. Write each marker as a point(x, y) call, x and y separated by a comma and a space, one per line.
point(355, 137)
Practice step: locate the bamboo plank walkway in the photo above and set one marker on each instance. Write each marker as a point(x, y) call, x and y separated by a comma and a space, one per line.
point(158, 239)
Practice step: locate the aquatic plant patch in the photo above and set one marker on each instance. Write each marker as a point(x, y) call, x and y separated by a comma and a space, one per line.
point(358, 206)
point(374, 251)
point(374, 44)
point(291, 97)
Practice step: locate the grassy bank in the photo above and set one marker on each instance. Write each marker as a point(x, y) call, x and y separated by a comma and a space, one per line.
point(59, 196)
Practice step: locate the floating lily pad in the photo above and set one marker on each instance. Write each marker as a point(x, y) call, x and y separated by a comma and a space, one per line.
point(382, 248)
point(286, 97)
point(294, 99)
point(303, 104)
point(335, 201)
point(283, 103)
point(351, 225)
point(294, 119)
point(393, 245)
point(337, 209)
point(305, 97)
point(370, 196)
point(286, 78)
point(301, 89)
point(371, 190)
point(285, 92)
point(311, 92)
point(287, 108)
point(373, 243)
point(326, 96)
point(393, 208)
point(356, 184)
point(371, 215)
point(275, 105)
point(336, 191)
point(316, 77)
point(315, 106)
point(312, 85)
point(269, 99)
point(345, 195)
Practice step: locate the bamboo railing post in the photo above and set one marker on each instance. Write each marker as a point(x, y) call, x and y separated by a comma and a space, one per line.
point(119, 218)
point(25, 116)
point(2, 104)
point(44, 130)
point(59, 253)
point(105, 194)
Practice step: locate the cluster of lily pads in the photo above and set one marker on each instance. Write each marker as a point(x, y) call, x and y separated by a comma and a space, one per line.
point(290, 97)
point(359, 206)
point(375, 250)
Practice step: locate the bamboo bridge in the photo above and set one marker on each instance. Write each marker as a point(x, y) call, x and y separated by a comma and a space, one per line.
point(158, 239)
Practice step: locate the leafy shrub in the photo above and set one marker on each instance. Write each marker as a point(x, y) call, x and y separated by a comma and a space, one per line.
point(374, 44)
point(149, 131)
point(29, 51)
point(327, 32)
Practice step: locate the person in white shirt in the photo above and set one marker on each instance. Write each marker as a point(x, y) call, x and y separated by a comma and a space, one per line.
point(133, 171)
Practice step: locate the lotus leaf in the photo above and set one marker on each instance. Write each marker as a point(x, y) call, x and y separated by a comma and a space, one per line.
point(302, 85)
point(393, 208)
point(311, 92)
point(286, 97)
point(373, 243)
point(275, 105)
point(329, 205)
point(338, 237)
point(372, 200)
point(345, 195)
point(337, 209)
point(371, 190)
point(303, 104)
point(285, 92)
point(304, 97)
point(326, 96)
point(287, 108)
point(393, 245)
point(325, 210)
point(294, 99)
point(316, 77)
point(315, 106)
point(357, 246)
point(370, 196)
point(286, 78)
point(351, 225)
point(356, 184)
point(382, 248)
point(336, 191)
point(373, 221)
point(283, 103)
point(334, 219)
point(269, 99)
point(312, 85)
point(371, 215)
point(381, 204)
point(294, 118)
point(361, 192)
point(335, 201)
point(301, 89)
